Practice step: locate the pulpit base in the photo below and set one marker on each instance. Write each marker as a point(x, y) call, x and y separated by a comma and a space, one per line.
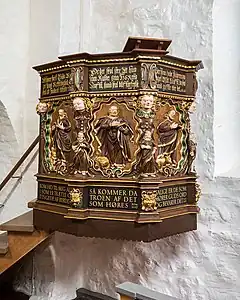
point(123, 230)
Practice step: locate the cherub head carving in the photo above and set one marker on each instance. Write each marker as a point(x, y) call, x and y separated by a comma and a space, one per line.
point(147, 102)
point(79, 103)
point(42, 108)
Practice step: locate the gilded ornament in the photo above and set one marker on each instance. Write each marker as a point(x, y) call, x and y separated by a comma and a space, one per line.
point(149, 200)
point(76, 198)
point(198, 191)
point(103, 162)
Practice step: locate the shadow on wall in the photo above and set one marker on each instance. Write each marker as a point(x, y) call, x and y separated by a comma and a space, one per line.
point(9, 151)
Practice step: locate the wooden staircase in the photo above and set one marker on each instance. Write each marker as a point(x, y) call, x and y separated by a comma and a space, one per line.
point(18, 237)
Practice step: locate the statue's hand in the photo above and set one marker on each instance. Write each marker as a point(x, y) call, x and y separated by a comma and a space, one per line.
point(174, 125)
point(60, 126)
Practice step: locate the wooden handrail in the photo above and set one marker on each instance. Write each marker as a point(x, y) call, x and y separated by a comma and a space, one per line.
point(18, 164)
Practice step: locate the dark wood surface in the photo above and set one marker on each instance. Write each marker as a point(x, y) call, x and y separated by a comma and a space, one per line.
point(44, 220)
point(146, 43)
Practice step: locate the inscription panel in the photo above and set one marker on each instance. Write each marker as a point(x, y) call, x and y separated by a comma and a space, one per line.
point(173, 195)
point(55, 84)
point(100, 197)
point(170, 80)
point(53, 193)
point(113, 198)
point(118, 77)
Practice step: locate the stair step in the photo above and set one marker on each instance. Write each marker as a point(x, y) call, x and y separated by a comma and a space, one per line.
point(84, 294)
point(3, 242)
point(22, 223)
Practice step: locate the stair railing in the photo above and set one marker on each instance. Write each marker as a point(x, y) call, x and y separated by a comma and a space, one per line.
point(18, 164)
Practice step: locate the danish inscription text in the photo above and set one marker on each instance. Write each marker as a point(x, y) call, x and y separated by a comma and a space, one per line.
point(53, 193)
point(118, 77)
point(170, 80)
point(53, 84)
point(113, 198)
point(172, 195)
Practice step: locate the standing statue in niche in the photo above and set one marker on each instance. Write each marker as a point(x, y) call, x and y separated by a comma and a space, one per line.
point(61, 135)
point(81, 159)
point(114, 134)
point(192, 149)
point(168, 133)
point(145, 162)
point(81, 115)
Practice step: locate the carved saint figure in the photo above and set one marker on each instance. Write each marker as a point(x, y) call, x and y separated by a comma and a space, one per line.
point(146, 107)
point(168, 132)
point(81, 159)
point(81, 115)
point(145, 162)
point(114, 134)
point(192, 148)
point(61, 135)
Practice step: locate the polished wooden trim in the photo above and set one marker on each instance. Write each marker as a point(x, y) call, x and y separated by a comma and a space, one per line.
point(120, 215)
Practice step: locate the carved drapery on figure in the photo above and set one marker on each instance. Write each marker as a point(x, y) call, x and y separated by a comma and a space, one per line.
point(61, 137)
point(168, 132)
point(114, 134)
point(146, 159)
point(81, 158)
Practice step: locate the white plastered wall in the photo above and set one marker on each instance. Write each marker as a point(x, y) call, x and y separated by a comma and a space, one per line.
point(198, 265)
point(226, 71)
point(29, 34)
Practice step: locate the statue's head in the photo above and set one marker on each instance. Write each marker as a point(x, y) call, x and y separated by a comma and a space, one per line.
point(61, 113)
point(42, 107)
point(78, 103)
point(80, 136)
point(147, 101)
point(113, 111)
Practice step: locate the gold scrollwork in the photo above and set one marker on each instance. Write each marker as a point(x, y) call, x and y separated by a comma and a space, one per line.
point(186, 105)
point(198, 191)
point(76, 198)
point(149, 200)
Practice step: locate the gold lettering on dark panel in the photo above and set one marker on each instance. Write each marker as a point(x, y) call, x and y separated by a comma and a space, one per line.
point(54, 84)
point(170, 80)
point(53, 193)
point(172, 195)
point(120, 77)
point(113, 198)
